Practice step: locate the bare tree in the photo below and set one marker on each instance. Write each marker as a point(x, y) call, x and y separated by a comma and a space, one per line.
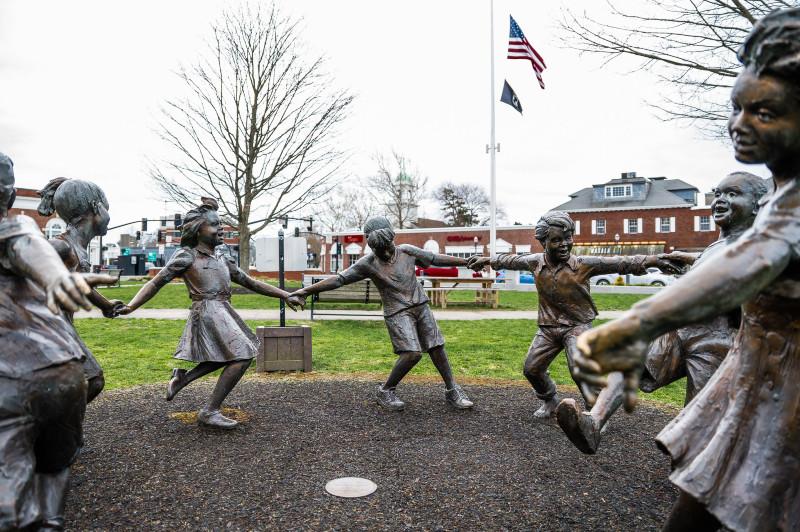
point(257, 126)
point(398, 189)
point(689, 44)
point(346, 207)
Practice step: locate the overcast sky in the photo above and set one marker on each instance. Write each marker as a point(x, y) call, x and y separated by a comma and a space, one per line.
point(81, 84)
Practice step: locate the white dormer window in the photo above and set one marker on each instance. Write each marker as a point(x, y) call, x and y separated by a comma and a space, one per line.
point(619, 191)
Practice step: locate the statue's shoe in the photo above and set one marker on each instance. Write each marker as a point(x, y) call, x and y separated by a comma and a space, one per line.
point(214, 418)
point(175, 383)
point(387, 399)
point(457, 398)
point(579, 426)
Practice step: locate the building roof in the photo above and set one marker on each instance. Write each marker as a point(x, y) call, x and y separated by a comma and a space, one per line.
point(660, 194)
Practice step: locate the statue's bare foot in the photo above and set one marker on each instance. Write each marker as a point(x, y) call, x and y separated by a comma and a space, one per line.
point(579, 426)
point(214, 418)
point(547, 410)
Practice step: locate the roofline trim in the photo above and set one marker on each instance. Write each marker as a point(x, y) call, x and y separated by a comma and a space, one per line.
point(638, 208)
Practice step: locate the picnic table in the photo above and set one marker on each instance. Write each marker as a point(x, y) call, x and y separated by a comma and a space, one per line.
point(485, 294)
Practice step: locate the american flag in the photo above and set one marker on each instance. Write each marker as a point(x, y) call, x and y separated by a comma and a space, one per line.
point(520, 48)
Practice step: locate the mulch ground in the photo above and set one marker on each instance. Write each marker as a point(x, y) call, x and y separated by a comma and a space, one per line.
point(491, 468)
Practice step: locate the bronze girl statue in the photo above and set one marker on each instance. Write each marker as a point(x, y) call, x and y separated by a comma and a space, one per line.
point(735, 448)
point(84, 207)
point(215, 336)
point(42, 385)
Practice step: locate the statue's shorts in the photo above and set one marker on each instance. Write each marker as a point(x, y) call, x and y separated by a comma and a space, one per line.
point(414, 330)
point(41, 416)
point(546, 345)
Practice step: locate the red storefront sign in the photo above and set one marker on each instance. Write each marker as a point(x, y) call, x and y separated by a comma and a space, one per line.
point(461, 238)
point(353, 239)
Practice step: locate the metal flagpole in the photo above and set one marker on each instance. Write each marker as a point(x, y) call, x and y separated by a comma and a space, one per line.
point(492, 149)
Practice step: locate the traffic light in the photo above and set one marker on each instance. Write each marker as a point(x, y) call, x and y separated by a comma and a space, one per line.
point(310, 224)
point(138, 235)
point(178, 220)
point(296, 231)
point(284, 220)
point(160, 234)
point(144, 225)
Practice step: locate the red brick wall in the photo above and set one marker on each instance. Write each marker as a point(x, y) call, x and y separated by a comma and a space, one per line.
point(684, 236)
point(41, 221)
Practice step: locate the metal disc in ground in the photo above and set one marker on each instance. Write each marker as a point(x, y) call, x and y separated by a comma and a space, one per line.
point(350, 487)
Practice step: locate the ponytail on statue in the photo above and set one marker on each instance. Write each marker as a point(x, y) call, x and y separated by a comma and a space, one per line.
point(47, 205)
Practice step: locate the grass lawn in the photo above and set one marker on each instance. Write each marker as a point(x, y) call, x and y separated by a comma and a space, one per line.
point(174, 295)
point(139, 351)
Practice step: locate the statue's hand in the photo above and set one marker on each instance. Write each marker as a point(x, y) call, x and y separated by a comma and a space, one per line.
point(296, 301)
point(124, 310)
point(113, 310)
point(614, 346)
point(675, 262)
point(477, 263)
point(69, 292)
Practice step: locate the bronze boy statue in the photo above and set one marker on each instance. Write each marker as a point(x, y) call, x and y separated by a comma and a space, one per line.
point(84, 207)
point(409, 320)
point(42, 386)
point(694, 351)
point(735, 447)
point(566, 308)
point(215, 336)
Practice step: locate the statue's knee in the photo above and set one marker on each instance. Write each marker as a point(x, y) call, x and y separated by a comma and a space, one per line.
point(412, 358)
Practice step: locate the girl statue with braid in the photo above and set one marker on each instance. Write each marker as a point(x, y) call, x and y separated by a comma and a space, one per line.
point(215, 336)
point(735, 448)
point(84, 207)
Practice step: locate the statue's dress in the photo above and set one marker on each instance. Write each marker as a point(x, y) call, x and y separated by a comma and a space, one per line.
point(736, 446)
point(214, 332)
point(42, 389)
point(31, 337)
point(77, 260)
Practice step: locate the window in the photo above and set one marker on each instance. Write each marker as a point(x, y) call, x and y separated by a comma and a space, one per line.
point(54, 228)
point(619, 191)
point(703, 223)
point(599, 227)
point(352, 259)
point(633, 225)
point(664, 225)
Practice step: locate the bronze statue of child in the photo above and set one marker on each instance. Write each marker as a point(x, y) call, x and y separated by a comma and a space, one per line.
point(735, 448)
point(42, 385)
point(409, 320)
point(84, 207)
point(694, 351)
point(215, 336)
point(566, 308)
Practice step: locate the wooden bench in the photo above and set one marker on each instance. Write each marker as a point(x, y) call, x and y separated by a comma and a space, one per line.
point(358, 292)
point(489, 297)
point(113, 271)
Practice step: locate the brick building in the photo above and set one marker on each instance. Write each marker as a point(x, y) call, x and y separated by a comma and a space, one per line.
point(27, 202)
point(634, 214)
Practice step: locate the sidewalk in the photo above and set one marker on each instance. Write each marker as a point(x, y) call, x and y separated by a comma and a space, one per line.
point(273, 314)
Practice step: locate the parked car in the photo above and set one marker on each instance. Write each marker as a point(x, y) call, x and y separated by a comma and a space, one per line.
point(524, 277)
point(653, 277)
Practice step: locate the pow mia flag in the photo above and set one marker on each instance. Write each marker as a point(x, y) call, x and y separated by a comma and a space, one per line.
point(510, 97)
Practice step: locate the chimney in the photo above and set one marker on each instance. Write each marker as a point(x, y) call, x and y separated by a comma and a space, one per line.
point(628, 175)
